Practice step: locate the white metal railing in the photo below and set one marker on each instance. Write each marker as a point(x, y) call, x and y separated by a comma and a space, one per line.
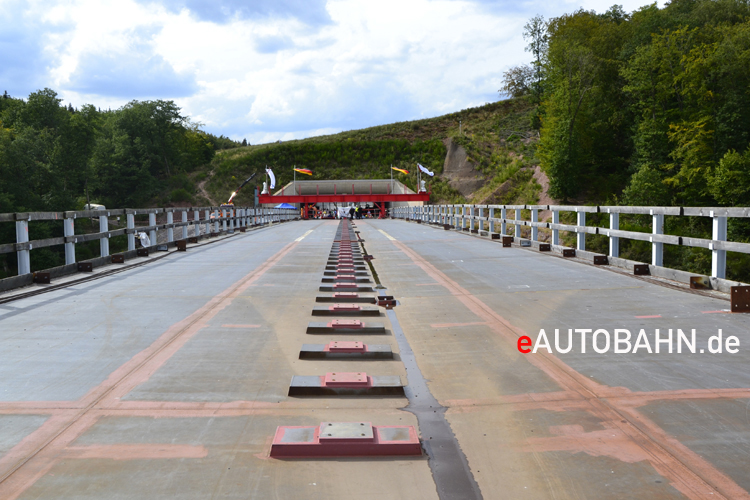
point(205, 220)
point(484, 217)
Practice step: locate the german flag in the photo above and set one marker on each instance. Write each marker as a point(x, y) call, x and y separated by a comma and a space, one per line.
point(400, 170)
point(303, 171)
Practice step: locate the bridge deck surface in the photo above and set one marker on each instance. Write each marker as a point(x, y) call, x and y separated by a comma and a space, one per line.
point(169, 380)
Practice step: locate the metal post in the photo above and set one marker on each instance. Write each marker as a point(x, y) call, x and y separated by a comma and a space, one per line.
point(170, 230)
point(70, 247)
point(152, 233)
point(224, 219)
point(184, 228)
point(518, 226)
point(657, 247)
point(24, 256)
point(614, 241)
point(503, 224)
point(196, 223)
point(130, 218)
point(471, 217)
point(208, 222)
point(556, 232)
point(104, 240)
point(216, 221)
point(534, 229)
point(719, 257)
point(581, 236)
point(480, 213)
point(492, 220)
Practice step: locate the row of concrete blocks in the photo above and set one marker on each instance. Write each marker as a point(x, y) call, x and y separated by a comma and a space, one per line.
point(345, 439)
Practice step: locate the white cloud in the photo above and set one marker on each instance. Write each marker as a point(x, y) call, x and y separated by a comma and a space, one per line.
point(279, 69)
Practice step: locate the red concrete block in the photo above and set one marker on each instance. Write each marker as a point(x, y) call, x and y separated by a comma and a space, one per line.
point(345, 439)
point(346, 323)
point(345, 277)
point(344, 285)
point(345, 307)
point(346, 379)
point(343, 346)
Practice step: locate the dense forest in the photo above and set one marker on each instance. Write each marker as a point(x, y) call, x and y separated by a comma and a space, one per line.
point(646, 108)
point(54, 157)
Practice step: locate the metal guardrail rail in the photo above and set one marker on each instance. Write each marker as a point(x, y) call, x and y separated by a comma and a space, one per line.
point(484, 218)
point(203, 218)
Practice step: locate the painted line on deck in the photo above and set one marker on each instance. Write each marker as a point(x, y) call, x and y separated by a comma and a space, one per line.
point(387, 235)
point(303, 236)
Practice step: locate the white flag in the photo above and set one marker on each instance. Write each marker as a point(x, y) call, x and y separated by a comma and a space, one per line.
point(271, 176)
point(423, 169)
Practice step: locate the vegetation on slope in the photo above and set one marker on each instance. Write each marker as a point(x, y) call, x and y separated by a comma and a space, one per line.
point(369, 153)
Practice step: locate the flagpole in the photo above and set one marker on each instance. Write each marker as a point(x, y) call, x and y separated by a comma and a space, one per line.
point(391, 178)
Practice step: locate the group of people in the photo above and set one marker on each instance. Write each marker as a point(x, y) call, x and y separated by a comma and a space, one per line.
point(355, 212)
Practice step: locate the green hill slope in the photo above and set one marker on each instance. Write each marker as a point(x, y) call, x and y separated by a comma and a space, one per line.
point(491, 135)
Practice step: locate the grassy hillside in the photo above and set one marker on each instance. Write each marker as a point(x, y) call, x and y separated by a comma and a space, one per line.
point(495, 136)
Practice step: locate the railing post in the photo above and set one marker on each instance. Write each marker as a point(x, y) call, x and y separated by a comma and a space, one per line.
point(170, 230)
point(534, 229)
point(196, 223)
point(24, 256)
point(555, 232)
point(104, 240)
point(581, 233)
point(224, 219)
point(130, 224)
point(719, 257)
point(70, 247)
point(492, 220)
point(614, 241)
point(518, 226)
point(207, 221)
point(480, 213)
point(471, 217)
point(503, 224)
point(152, 232)
point(657, 247)
point(184, 228)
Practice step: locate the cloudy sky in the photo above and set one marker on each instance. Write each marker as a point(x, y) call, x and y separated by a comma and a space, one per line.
point(272, 69)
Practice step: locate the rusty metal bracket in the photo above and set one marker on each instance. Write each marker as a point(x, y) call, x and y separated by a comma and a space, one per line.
point(641, 270)
point(601, 260)
point(545, 247)
point(85, 267)
point(699, 283)
point(142, 252)
point(740, 298)
point(569, 252)
point(507, 241)
point(40, 277)
point(181, 245)
point(118, 259)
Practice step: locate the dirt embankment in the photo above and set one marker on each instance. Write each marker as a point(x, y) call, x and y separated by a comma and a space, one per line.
point(459, 171)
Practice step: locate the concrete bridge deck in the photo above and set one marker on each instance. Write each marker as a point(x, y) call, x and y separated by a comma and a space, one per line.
point(169, 380)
